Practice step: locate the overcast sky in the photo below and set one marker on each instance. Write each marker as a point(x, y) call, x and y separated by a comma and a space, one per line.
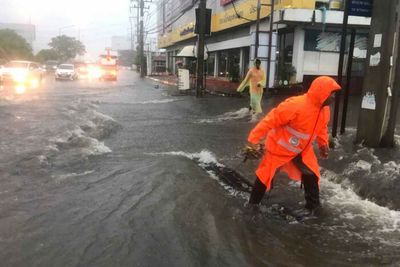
point(94, 21)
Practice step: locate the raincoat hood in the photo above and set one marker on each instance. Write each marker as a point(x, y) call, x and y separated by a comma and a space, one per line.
point(321, 88)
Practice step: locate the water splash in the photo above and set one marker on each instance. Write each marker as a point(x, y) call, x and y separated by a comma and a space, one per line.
point(232, 115)
point(159, 101)
point(208, 162)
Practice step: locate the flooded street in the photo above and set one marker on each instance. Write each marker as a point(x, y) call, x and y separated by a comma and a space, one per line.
point(120, 174)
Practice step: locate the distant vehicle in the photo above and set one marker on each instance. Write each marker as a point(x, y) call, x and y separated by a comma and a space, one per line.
point(21, 75)
point(94, 71)
point(81, 69)
point(66, 72)
point(51, 65)
point(109, 67)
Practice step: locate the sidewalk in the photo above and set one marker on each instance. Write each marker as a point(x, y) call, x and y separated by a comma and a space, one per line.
point(213, 85)
point(221, 86)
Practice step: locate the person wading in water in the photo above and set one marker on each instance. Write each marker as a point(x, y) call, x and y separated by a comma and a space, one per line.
point(289, 131)
point(255, 78)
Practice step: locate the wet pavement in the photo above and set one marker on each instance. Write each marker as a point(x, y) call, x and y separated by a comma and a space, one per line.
point(122, 174)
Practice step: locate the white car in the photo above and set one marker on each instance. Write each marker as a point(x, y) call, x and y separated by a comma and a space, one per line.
point(66, 72)
point(21, 75)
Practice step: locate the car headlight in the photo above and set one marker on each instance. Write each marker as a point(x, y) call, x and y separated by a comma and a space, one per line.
point(20, 89)
point(20, 76)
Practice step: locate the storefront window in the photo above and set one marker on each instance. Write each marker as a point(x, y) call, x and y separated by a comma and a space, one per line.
point(286, 40)
point(210, 64)
point(322, 41)
point(229, 64)
point(329, 41)
point(223, 64)
point(246, 60)
point(285, 56)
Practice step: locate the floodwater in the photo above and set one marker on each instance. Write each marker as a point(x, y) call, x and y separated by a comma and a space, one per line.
point(123, 174)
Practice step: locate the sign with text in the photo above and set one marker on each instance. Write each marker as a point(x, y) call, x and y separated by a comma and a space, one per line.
point(362, 8)
point(183, 79)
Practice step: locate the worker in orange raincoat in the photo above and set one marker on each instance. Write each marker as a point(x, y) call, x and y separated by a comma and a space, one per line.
point(289, 131)
point(255, 78)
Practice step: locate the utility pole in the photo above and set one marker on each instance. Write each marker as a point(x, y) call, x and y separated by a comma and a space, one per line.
point(379, 96)
point(138, 28)
point(141, 40)
point(200, 47)
point(348, 79)
point(340, 67)
point(257, 41)
point(131, 32)
point(163, 17)
point(393, 88)
point(271, 28)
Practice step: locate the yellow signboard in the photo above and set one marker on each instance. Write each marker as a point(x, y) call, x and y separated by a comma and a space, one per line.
point(228, 18)
point(177, 35)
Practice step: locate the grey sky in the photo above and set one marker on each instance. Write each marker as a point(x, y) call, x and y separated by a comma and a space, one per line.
point(94, 21)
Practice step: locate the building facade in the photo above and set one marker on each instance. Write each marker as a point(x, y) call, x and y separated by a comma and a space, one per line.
point(305, 37)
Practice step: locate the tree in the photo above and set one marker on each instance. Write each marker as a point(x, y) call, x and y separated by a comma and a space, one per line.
point(46, 54)
point(126, 57)
point(67, 47)
point(13, 46)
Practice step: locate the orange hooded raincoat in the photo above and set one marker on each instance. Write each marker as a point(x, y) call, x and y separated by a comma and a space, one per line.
point(291, 128)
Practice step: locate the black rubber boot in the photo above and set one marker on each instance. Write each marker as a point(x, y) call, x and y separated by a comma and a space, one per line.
point(311, 191)
point(258, 192)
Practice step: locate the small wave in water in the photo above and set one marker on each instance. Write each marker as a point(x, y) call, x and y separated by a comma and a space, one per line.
point(159, 101)
point(373, 173)
point(362, 216)
point(82, 136)
point(349, 214)
point(62, 177)
point(207, 161)
point(232, 115)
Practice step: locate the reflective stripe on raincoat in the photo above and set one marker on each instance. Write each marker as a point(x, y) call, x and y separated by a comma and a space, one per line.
point(253, 78)
point(290, 130)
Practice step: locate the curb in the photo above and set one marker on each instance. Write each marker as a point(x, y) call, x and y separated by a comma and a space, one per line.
point(161, 81)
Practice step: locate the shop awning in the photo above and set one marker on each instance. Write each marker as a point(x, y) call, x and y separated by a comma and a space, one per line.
point(190, 51)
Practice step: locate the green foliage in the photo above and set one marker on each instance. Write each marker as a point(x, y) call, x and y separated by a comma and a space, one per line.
point(126, 57)
point(46, 54)
point(13, 46)
point(67, 47)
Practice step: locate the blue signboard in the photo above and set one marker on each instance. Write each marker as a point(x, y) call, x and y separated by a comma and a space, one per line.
point(361, 8)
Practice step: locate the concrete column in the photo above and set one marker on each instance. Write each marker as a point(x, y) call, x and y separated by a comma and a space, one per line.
point(216, 64)
point(298, 52)
point(241, 63)
point(174, 62)
point(166, 60)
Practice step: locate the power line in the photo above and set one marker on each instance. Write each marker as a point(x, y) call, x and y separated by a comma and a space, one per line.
point(238, 15)
point(152, 31)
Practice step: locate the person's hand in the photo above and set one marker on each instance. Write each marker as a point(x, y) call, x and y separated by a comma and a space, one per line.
point(253, 146)
point(253, 151)
point(324, 151)
point(258, 85)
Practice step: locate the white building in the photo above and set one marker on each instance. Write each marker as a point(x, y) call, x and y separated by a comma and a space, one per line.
point(306, 37)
